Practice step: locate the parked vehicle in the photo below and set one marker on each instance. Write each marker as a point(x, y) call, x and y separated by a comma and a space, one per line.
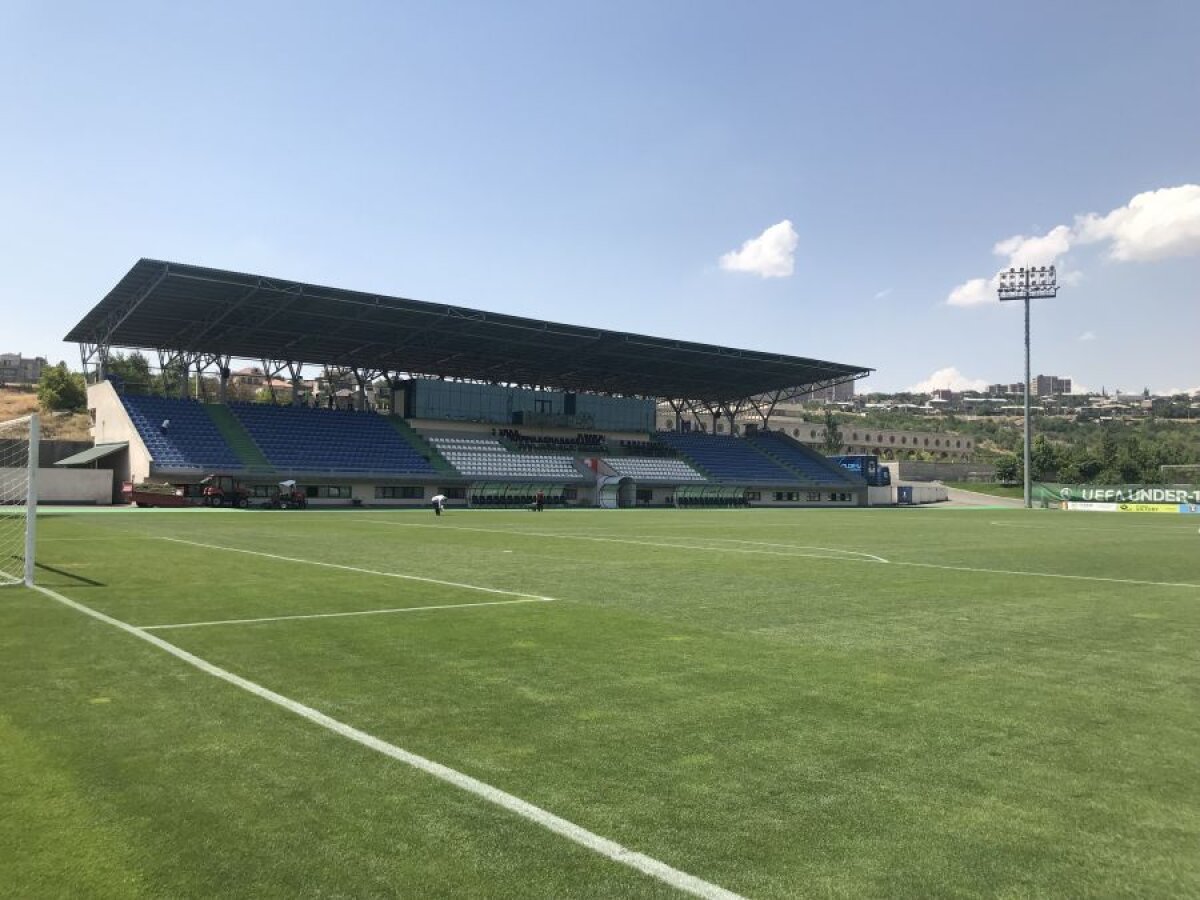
point(866, 467)
point(158, 494)
point(224, 490)
point(288, 495)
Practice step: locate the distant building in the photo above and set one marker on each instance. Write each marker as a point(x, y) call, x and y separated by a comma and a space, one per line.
point(247, 382)
point(1049, 386)
point(18, 369)
point(1005, 390)
point(856, 438)
point(1040, 386)
point(886, 443)
point(833, 394)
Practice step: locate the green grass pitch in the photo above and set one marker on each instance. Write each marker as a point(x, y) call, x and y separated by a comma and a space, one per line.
point(782, 703)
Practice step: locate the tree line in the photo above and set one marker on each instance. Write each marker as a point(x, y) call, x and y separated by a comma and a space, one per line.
point(1069, 450)
point(1116, 453)
point(60, 389)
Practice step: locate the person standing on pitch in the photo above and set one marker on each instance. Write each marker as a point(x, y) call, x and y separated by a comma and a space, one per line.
point(439, 503)
point(539, 501)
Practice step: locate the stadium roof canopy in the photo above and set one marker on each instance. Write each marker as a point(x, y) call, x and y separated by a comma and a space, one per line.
point(191, 309)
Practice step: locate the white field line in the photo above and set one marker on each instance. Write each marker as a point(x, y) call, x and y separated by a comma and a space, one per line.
point(674, 877)
point(849, 553)
point(858, 559)
point(90, 540)
point(361, 571)
point(919, 565)
point(1131, 531)
point(342, 615)
point(639, 542)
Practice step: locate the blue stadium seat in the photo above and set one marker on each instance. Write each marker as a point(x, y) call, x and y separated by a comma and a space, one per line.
point(297, 439)
point(191, 440)
point(807, 462)
point(728, 459)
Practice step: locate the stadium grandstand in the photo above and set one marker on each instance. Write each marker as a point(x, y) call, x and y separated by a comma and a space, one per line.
point(485, 408)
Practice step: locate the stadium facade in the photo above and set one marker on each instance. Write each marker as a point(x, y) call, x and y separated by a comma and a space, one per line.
point(485, 408)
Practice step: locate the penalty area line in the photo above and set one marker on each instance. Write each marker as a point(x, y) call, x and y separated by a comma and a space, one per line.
point(827, 552)
point(343, 615)
point(860, 557)
point(1019, 572)
point(590, 840)
point(360, 571)
point(1119, 531)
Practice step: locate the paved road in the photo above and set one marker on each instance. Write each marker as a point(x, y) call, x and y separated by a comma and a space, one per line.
point(958, 497)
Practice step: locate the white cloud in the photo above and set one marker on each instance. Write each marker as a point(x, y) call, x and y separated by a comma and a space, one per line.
point(973, 293)
point(1035, 251)
point(1153, 225)
point(948, 378)
point(882, 295)
point(1088, 336)
point(770, 255)
point(1020, 250)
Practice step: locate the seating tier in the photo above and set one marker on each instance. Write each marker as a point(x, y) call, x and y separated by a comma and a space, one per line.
point(190, 439)
point(805, 461)
point(488, 458)
point(654, 469)
point(296, 439)
point(728, 459)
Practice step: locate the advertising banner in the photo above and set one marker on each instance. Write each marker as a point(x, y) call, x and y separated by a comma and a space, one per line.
point(1140, 498)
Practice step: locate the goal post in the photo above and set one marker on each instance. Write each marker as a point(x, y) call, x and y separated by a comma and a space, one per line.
point(18, 499)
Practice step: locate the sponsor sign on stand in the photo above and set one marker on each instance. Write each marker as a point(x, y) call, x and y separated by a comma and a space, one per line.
point(1148, 507)
point(1089, 507)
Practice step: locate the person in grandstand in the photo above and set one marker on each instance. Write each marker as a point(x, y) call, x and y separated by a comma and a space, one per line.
point(438, 502)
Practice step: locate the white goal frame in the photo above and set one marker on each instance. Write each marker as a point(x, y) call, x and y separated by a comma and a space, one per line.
point(8, 577)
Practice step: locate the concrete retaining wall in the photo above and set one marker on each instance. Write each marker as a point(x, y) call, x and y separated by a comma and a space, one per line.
point(939, 471)
point(82, 486)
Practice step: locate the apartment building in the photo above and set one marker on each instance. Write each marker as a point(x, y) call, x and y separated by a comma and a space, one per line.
point(18, 369)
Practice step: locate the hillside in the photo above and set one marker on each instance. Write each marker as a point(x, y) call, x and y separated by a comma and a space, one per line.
point(15, 403)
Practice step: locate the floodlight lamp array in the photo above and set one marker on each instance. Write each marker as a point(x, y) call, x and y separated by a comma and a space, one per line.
point(1030, 283)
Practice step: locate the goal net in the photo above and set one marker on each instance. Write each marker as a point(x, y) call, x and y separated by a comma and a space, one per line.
point(1186, 474)
point(18, 499)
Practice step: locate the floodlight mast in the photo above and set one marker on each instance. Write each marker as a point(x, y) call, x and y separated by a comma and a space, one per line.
point(1033, 283)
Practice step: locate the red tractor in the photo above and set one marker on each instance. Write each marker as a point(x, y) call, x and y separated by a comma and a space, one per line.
point(223, 490)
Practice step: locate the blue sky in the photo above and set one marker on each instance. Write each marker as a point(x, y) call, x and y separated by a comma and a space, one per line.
point(605, 164)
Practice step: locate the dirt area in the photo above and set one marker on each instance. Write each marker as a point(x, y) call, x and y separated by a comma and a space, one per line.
point(57, 426)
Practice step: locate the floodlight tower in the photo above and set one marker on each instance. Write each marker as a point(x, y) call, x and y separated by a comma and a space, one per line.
point(1027, 284)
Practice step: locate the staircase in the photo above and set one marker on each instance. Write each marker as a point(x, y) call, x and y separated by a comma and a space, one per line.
point(683, 457)
point(237, 438)
point(836, 471)
point(413, 437)
point(780, 461)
